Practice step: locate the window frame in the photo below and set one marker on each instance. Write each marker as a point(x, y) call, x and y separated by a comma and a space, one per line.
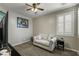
point(72, 23)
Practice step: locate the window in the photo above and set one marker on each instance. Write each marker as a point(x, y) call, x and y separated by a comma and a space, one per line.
point(60, 25)
point(65, 24)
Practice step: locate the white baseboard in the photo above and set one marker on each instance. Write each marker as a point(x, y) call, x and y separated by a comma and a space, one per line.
point(20, 43)
point(73, 50)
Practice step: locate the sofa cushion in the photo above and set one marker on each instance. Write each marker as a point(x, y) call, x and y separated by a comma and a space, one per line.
point(43, 42)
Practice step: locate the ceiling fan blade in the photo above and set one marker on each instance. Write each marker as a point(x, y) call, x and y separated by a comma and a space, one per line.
point(38, 3)
point(28, 9)
point(40, 9)
point(28, 5)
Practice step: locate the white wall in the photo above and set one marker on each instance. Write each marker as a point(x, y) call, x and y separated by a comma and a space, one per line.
point(45, 24)
point(18, 35)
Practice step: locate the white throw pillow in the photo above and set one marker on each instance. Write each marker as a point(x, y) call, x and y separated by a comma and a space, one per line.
point(50, 37)
point(39, 37)
point(44, 36)
point(54, 39)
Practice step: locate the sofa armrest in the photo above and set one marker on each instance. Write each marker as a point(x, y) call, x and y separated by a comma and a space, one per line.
point(52, 43)
point(35, 38)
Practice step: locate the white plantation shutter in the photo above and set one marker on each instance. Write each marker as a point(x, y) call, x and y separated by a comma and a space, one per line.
point(68, 24)
point(65, 24)
point(60, 25)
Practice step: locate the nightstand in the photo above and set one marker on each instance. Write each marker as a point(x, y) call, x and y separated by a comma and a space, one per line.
point(60, 44)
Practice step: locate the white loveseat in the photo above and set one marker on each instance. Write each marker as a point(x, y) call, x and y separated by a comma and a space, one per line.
point(45, 41)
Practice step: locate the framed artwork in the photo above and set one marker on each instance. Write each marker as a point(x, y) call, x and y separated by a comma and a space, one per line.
point(22, 22)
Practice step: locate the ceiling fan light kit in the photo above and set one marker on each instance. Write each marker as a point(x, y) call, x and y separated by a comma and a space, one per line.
point(34, 10)
point(34, 7)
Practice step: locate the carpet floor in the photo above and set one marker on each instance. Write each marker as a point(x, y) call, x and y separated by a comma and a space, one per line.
point(28, 49)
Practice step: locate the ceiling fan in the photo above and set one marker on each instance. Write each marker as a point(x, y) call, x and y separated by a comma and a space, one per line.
point(34, 7)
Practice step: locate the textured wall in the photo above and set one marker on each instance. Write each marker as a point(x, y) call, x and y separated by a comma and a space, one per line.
point(18, 35)
point(44, 24)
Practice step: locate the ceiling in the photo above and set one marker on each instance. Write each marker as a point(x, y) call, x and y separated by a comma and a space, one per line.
point(48, 8)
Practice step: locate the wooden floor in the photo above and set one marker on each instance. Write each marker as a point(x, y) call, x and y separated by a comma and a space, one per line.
point(28, 49)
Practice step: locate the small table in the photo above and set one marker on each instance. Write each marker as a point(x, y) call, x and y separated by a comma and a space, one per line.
point(60, 44)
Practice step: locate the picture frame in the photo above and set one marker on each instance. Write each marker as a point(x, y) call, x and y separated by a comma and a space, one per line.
point(22, 22)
